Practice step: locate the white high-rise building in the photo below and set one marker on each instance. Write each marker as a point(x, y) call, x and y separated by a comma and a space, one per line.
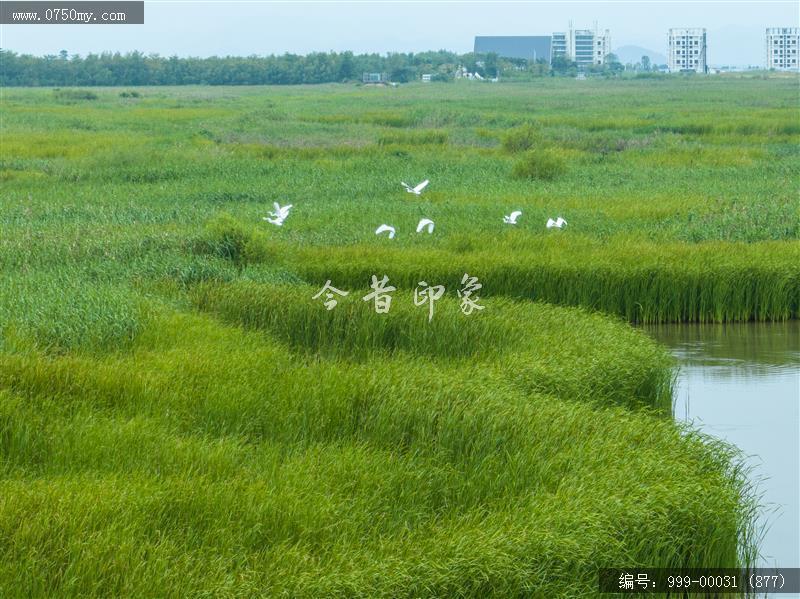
point(687, 50)
point(782, 48)
point(590, 47)
point(586, 47)
point(558, 45)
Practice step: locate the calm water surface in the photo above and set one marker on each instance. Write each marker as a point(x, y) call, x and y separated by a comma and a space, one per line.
point(741, 383)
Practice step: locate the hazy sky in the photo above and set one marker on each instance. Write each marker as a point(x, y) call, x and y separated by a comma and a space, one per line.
point(205, 28)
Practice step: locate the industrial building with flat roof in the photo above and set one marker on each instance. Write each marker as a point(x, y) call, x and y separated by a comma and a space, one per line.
point(529, 47)
point(585, 47)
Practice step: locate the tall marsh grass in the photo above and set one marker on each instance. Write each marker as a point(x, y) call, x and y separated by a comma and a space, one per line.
point(532, 343)
point(671, 283)
point(209, 441)
point(57, 312)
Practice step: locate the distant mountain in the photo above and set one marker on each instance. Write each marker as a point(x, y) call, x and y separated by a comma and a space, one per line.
point(633, 54)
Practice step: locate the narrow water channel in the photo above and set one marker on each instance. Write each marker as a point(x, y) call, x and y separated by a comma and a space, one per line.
point(741, 383)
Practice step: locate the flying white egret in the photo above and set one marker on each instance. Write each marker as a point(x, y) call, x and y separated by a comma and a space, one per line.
point(425, 222)
point(383, 229)
point(280, 214)
point(511, 219)
point(415, 190)
point(558, 223)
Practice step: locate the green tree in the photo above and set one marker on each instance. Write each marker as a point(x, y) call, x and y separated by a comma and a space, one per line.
point(136, 68)
point(490, 65)
point(347, 67)
point(562, 64)
point(612, 64)
point(538, 68)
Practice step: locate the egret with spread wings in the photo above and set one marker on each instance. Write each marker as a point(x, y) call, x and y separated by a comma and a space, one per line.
point(415, 190)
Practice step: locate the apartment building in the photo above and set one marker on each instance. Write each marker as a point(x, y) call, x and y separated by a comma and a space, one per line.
point(781, 48)
point(687, 50)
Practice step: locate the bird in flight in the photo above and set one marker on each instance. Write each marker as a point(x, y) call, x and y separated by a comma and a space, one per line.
point(511, 219)
point(280, 214)
point(425, 223)
point(383, 229)
point(415, 190)
point(557, 224)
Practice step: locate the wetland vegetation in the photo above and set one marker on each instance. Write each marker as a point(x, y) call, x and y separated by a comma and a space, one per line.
point(179, 417)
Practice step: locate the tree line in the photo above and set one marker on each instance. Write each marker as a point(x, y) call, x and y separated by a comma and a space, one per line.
point(136, 68)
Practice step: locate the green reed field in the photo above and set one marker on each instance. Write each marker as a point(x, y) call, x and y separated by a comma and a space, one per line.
point(179, 418)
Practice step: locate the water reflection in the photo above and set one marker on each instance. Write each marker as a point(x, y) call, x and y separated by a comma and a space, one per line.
point(734, 350)
point(741, 383)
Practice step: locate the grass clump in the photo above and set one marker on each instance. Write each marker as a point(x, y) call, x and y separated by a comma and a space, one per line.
point(544, 165)
point(388, 119)
point(522, 139)
point(226, 237)
point(414, 138)
point(73, 95)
